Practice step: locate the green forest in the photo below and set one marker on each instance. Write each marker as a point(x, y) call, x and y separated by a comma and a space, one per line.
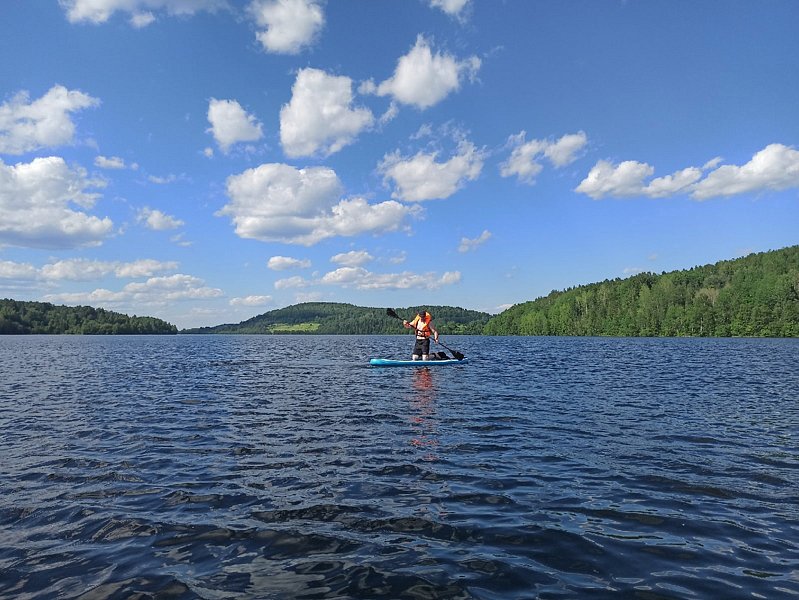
point(754, 296)
point(42, 317)
point(340, 318)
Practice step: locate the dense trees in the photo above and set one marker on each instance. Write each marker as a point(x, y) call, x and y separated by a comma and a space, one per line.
point(339, 318)
point(757, 295)
point(41, 317)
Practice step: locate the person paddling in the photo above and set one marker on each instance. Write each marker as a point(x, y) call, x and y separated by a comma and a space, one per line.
point(423, 324)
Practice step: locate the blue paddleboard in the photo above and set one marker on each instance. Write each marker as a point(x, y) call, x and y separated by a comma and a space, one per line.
point(387, 362)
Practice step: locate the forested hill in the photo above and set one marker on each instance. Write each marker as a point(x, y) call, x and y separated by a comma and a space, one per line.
point(757, 295)
point(42, 317)
point(339, 318)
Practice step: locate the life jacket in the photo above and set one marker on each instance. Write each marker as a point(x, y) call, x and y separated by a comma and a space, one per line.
point(422, 325)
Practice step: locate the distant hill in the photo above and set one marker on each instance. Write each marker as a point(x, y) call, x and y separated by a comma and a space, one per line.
point(757, 295)
point(18, 317)
point(340, 318)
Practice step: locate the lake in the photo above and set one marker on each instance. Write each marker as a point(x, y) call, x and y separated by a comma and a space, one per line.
point(285, 467)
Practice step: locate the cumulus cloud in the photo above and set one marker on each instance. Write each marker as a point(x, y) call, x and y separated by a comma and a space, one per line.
point(43, 203)
point(774, 168)
point(81, 269)
point(423, 79)
point(140, 11)
point(471, 244)
point(157, 220)
point(354, 258)
point(284, 263)
point(231, 124)
point(109, 162)
point(27, 125)
point(454, 8)
point(363, 279)
point(622, 180)
point(420, 177)
point(18, 271)
point(288, 25)
point(320, 118)
point(155, 291)
point(279, 203)
point(86, 270)
point(251, 301)
point(524, 161)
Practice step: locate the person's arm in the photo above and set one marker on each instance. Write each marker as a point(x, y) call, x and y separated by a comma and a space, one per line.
point(434, 330)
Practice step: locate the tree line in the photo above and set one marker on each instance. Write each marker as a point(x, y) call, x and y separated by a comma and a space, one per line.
point(342, 318)
point(754, 296)
point(18, 317)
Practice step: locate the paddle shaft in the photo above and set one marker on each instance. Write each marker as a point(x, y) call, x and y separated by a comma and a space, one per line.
point(455, 353)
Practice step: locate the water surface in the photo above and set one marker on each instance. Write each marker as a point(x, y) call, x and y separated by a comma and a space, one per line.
point(285, 467)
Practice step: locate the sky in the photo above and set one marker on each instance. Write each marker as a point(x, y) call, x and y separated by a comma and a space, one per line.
point(205, 161)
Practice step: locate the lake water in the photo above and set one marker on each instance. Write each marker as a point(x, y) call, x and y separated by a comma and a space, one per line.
point(285, 467)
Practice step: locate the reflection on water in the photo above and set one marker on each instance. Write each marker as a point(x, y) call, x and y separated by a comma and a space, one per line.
point(423, 413)
point(280, 467)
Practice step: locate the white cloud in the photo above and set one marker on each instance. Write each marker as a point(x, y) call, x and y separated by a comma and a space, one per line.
point(524, 159)
point(86, 270)
point(675, 183)
point(363, 279)
point(165, 179)
point(41, 205)
point(109, 162)
point(354, 258)
point(623, 180)
point(774, 168)
point(422, 178)
point(423, 79)
point(43, 123)
point(290, 25)
point(291, 282)
point(17, 271)
point(231, 124)
point(454, 8)
point(471, 244)
point(319, 118)
point(284, 263)
point(279, 203)
point(99, 11)
point(251, 301)
point(142, 19)
point(154, 291)
point(81, 269)
point(157, 220)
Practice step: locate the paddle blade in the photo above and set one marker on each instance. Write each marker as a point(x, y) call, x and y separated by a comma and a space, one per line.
point(390, 312)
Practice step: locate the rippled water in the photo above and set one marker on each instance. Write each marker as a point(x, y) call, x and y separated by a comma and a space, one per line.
point(285, 467)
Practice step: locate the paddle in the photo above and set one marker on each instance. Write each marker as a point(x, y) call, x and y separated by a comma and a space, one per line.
point(458, 356)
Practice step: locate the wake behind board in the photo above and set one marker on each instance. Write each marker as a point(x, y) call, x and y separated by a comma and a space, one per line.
point(387, 362)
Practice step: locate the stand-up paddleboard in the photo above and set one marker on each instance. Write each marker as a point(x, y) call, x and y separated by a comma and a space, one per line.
point(387, 362)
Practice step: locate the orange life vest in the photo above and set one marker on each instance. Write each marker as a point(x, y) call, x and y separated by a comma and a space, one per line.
point(422, 325)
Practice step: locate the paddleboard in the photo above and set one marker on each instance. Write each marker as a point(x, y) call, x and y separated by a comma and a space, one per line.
point(387, 362)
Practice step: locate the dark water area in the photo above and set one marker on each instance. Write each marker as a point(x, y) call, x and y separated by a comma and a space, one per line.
point(285, 467)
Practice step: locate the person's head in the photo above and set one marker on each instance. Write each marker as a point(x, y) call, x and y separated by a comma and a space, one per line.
point(423, 313)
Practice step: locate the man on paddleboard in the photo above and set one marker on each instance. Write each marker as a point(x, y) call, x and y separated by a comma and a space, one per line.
point(423, 324)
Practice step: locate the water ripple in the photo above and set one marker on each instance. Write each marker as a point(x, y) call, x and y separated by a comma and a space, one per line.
point(280, 467)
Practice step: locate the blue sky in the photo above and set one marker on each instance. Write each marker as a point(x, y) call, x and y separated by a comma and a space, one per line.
point(205, 161)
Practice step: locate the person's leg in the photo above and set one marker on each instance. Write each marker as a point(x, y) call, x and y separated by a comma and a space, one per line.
point(417, 350)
